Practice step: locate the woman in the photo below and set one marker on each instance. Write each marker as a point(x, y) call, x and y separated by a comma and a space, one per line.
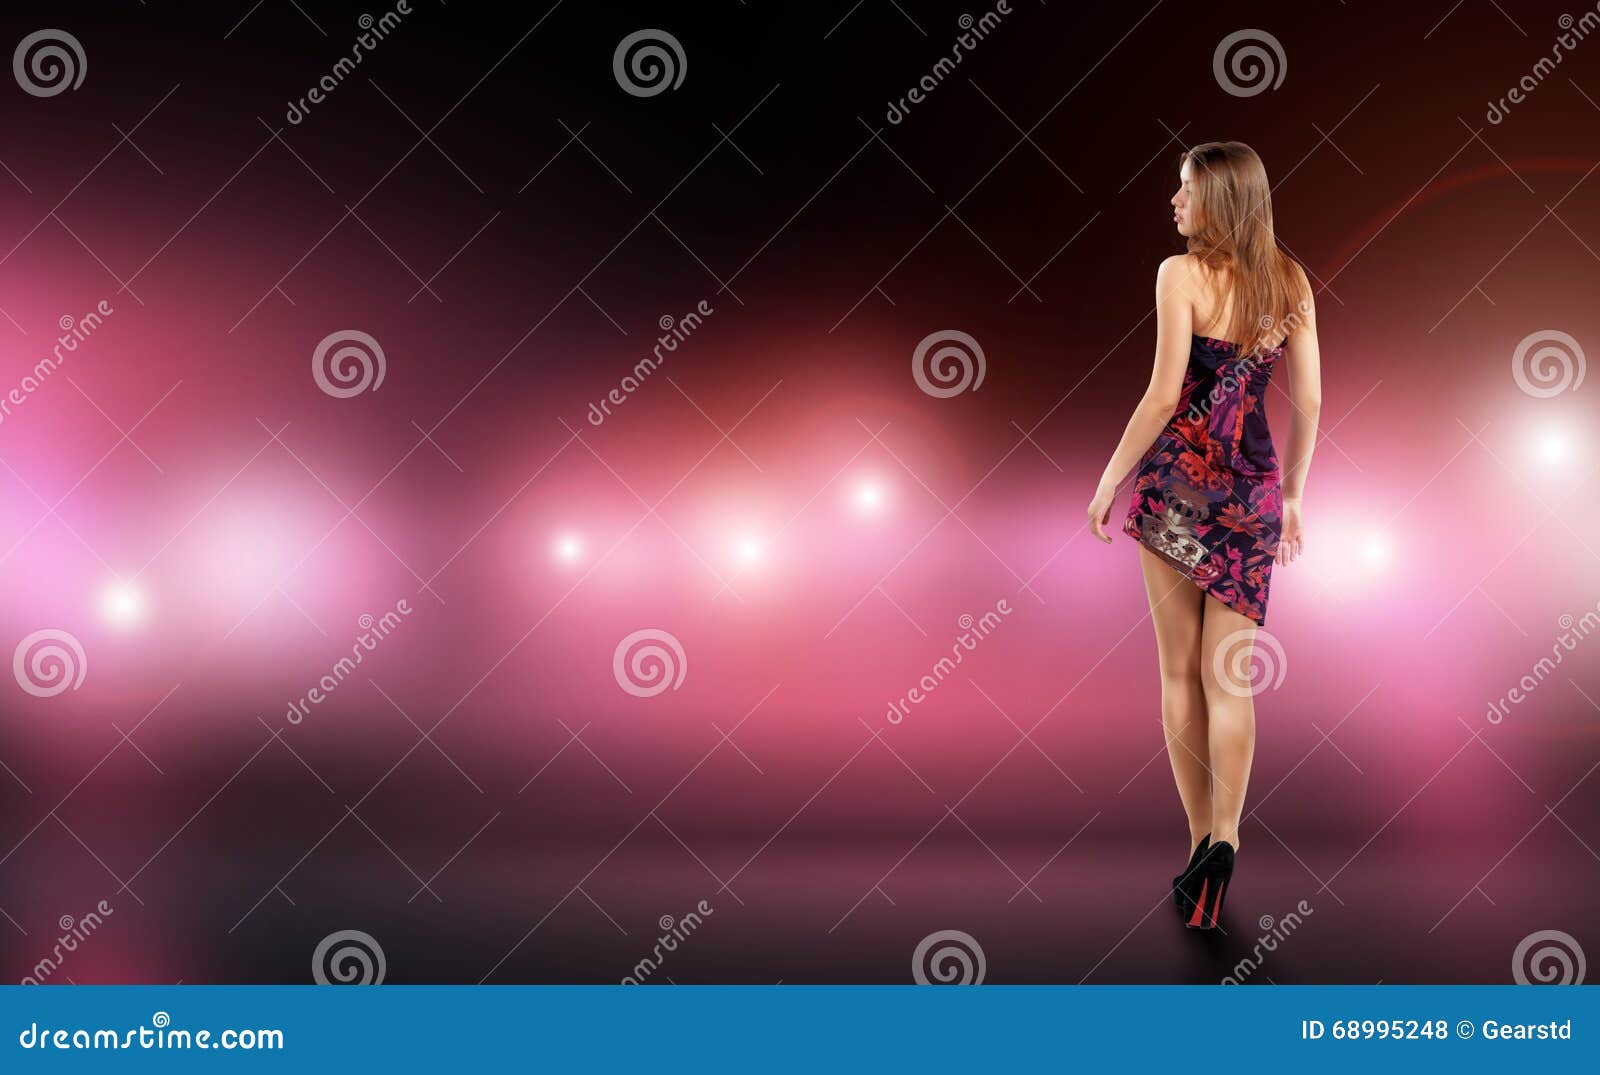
point(1211, 509)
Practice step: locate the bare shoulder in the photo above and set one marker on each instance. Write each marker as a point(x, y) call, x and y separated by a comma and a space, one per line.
point(1300, 276)
point(1305, 302)
point(1180, 273)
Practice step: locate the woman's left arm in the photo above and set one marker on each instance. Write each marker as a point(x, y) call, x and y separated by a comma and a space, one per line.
point(1174, 326)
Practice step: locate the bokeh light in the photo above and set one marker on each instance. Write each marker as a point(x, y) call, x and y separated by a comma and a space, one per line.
point(870, 497)
point(123, 604)
point(567, 548)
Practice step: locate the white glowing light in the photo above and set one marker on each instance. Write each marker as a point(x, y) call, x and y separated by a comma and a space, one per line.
point(1553, 447)
point(869, 496)
point(1375, 550)
point(568, 549)
point(747, 550)
point(123, 604)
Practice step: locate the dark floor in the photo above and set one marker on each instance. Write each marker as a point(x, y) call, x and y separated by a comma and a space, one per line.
point(805, 912)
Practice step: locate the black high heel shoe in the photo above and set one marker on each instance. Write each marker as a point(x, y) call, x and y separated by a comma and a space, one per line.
point(1187, 883)
point(1215, 872)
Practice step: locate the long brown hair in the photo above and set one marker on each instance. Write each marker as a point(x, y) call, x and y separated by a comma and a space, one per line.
point(1267, 287)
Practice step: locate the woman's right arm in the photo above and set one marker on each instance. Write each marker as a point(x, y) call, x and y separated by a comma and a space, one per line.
point(1174, 328)
point(1305, 394)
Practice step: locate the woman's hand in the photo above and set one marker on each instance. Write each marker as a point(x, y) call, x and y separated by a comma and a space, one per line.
point(1292, 541)
point(1100, 509)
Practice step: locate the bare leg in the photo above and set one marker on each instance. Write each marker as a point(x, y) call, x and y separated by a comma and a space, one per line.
point(1226, 639)
point(1175, 609)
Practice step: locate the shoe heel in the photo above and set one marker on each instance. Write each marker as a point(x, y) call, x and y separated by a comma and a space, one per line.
point(1216, 871)
point(1197, 920)
point(1184, 889)
point(1216, 908)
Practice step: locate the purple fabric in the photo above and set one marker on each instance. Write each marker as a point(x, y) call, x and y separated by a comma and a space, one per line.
point(1207, 497)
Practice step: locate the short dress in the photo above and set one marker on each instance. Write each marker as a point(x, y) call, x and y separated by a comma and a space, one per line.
point(1208, 495)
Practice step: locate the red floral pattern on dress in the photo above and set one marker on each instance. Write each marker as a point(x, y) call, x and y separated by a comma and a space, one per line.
point(1207, 496)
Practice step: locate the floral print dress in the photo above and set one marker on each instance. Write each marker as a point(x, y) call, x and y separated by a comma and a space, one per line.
point(1208, 495)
